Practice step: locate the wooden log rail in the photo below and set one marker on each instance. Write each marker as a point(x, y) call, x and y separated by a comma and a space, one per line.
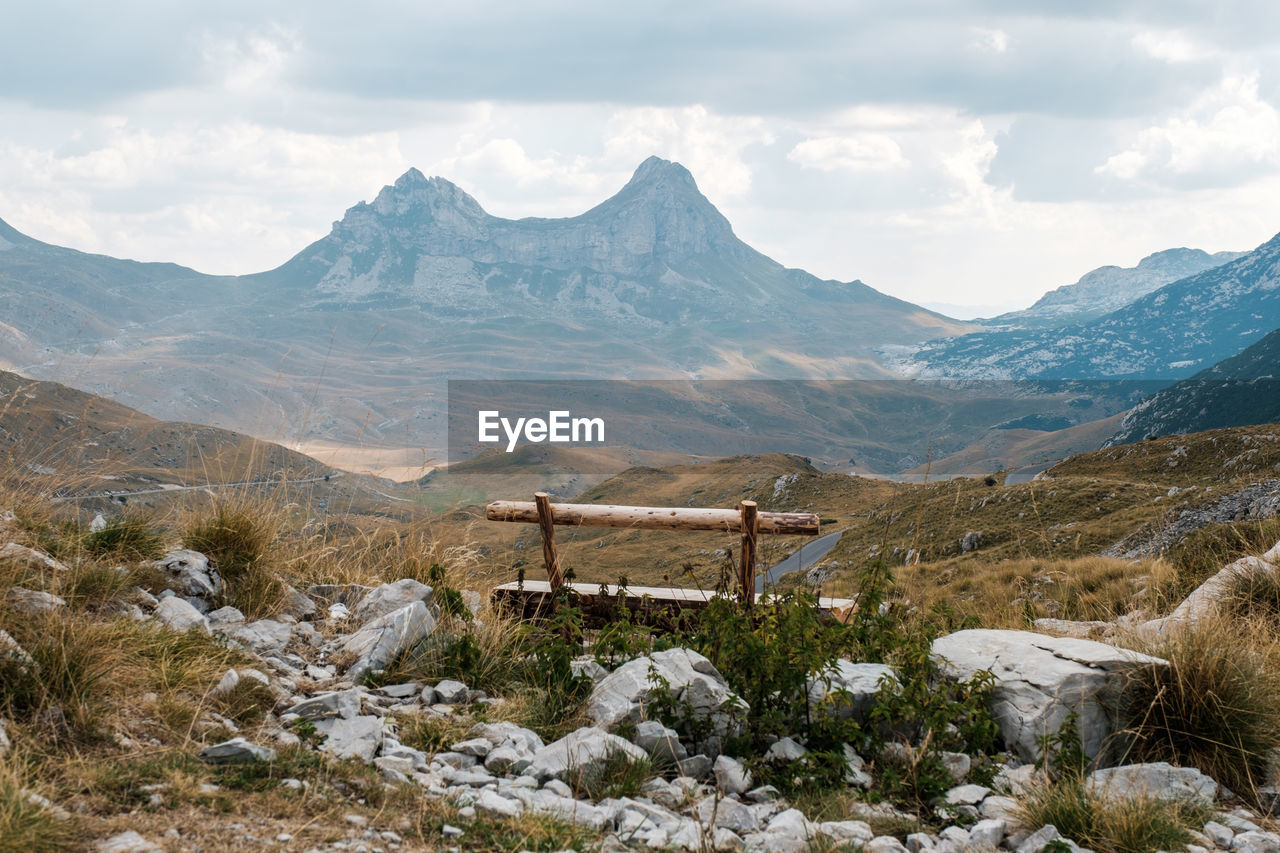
point(746, 519)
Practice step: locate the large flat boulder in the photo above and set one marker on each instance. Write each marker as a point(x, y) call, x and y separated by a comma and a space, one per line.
point(692, 680)
point(1155, 780)
point(1040, 680)
point(389, 597)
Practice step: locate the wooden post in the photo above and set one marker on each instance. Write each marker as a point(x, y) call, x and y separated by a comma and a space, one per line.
point(546, 522)
point(747, 573)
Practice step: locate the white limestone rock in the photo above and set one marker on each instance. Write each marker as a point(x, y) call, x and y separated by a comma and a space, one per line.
point(356, 737)
point(236, 751)
point(190, 574)
point(583, 751)
point(377, 643)
point(177, 614)
point(390, 597)
point(693, 681)
point(1039, 680)
point(850, 688)
point(1157, 779)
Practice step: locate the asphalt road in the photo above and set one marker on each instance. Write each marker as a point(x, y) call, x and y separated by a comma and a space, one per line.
point(805, 557)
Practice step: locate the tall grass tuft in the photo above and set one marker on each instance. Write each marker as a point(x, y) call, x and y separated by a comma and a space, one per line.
point(1131, 825)
point(1213, 707)
point(130, 537)
point(26, 826)
point(238, 537)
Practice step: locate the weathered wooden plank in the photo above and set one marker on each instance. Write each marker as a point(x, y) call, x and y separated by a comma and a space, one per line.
point(655, 518)
point(649, 605)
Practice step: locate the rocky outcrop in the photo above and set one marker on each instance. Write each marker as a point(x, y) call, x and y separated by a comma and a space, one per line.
point(377, 643)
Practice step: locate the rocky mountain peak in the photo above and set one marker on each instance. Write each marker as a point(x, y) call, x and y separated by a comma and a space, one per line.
point(658, 174)
point(414, 194)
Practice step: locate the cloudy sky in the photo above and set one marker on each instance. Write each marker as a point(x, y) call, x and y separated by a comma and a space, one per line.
point(964, 152)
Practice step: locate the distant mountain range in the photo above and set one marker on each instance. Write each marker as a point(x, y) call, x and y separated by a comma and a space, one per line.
point(1168, 334)
point(351, 341)
point(1105, 289)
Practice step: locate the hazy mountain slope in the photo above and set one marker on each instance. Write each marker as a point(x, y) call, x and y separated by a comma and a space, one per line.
point(1167, 334)
point(1238, 391)
point(1108, 288)
point(48, 429)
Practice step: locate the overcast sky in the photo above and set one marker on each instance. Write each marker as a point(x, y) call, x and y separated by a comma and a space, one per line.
point(945, 152)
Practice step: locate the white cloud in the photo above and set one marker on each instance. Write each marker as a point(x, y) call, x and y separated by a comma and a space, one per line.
point(867, 152)
point(1170, 45)
point(990, 39)
point(249, 62)
point(1227, 135)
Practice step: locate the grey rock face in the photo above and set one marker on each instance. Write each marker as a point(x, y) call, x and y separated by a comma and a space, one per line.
point(583, 751)
point(450, 692)
point(692, 679)
point(390, 596)
point(970, 542)
point(236, 751)
point(660, 742)
point(1039, 680)
point(378, 642)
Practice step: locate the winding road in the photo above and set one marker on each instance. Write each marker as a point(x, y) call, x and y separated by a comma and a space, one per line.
point(803, 558)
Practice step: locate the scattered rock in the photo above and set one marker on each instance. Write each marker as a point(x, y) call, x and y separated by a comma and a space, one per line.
point(263, 637)
point(236, 751)
point(34, 601)
point(294, 603)
point(355, 737)
point(851, 688)
point(340, 703)
point(1157, 779)
point(190, 574)
point(30, 557)
point(971, 541)
point(127, 842)
point(390, 597)
point(731, 776)
point(1039, 680)
point(450, 692)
